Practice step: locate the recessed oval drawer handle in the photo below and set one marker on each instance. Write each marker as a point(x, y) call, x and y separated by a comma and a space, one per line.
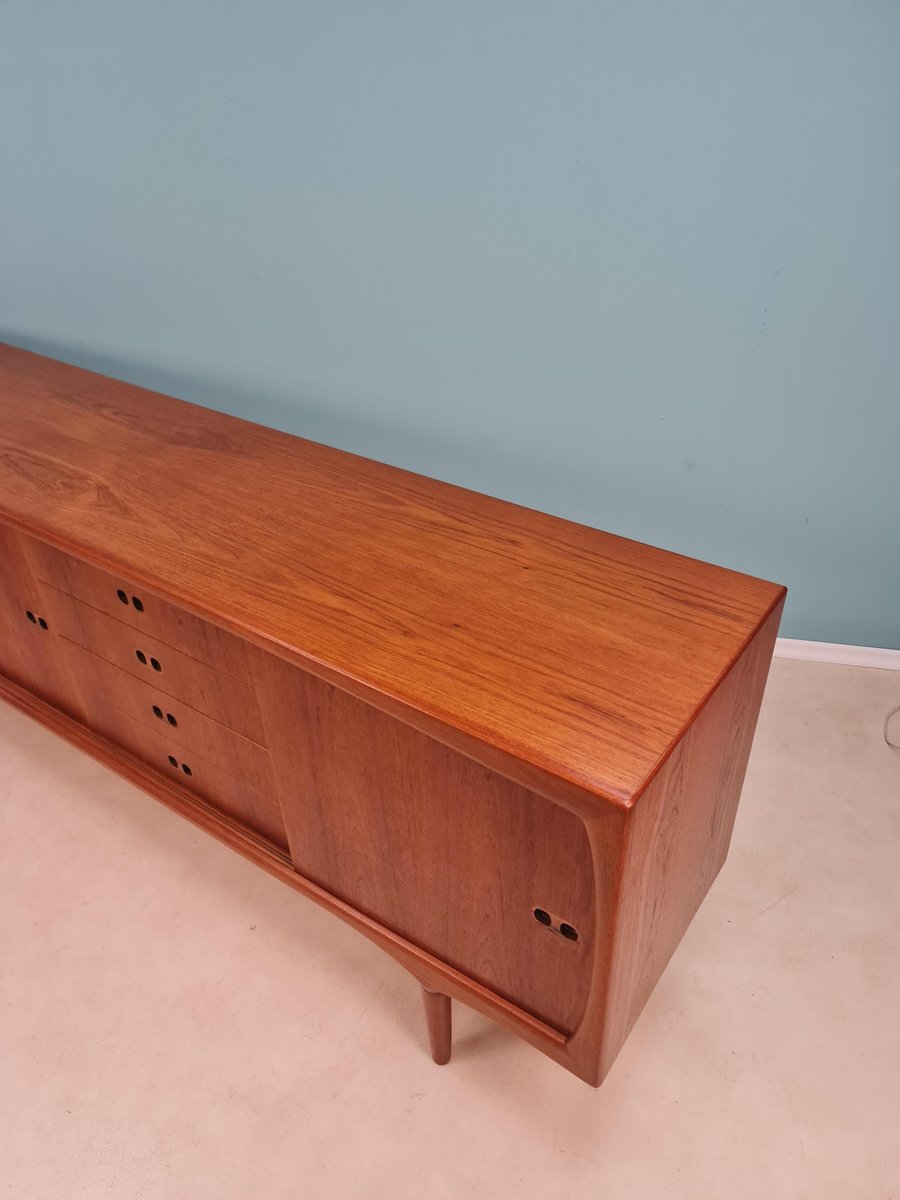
point(175, 763)
point(569, 932)
point(159, 714)
point(135, 600)
point(142, 658)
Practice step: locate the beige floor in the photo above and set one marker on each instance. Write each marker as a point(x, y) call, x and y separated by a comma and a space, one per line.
point(177, 1024)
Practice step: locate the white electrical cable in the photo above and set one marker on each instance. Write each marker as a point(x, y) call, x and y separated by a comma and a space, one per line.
point(887, 720)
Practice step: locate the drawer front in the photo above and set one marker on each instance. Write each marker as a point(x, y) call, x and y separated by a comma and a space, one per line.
point(32, 654)
point(245, 804)
point(153, 662)
point(144, 612)
point(106, 686)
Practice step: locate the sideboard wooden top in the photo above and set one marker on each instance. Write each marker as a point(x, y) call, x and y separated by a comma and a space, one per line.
point(520, 637)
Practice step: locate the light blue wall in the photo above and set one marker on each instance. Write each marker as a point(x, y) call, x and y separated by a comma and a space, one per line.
point(635, 264)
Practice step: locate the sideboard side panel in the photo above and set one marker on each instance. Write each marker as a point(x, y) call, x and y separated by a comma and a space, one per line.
point(677, 836)
point(440, 850)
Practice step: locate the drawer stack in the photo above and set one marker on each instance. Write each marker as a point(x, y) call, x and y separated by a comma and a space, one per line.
point(31, 653)
point(174, 690)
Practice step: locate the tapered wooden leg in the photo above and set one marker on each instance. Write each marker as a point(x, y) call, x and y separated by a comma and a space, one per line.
point(439, 1019)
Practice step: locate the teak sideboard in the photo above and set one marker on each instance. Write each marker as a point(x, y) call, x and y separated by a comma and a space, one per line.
point(505, 747)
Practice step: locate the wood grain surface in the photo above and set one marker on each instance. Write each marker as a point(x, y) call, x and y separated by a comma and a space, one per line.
point(227, 794)
point(184, 726)
point(677, 838)
point(157, 664)
point(127, 603)
point(570, 658)
point(31, 650)
point(444, 852)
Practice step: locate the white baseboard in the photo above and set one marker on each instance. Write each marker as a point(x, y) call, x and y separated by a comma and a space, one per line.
point(831, 652)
